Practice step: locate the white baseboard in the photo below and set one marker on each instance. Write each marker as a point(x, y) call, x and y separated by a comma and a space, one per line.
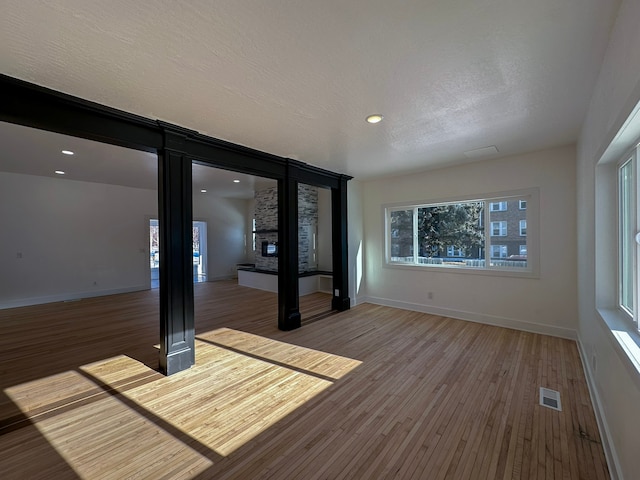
point(67, 297)
point(603, 426)
point(476, 317)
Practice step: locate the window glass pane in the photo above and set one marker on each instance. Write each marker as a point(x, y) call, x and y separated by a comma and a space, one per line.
point(401, 230)
point(626, 236)
point(489, 233)
point(508, 229)
point(452, 225)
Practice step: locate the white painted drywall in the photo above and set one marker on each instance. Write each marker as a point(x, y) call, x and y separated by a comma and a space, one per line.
point(547, 304)
point(355, 232)
point(226, 228)
point(616, 385)
point(74, 239)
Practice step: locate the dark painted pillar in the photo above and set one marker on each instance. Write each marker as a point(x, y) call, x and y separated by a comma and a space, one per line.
point(288, 302)
point(177, 351)
point(340, 300)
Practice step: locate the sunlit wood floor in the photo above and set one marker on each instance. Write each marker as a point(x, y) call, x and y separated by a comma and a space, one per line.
point(370, 393)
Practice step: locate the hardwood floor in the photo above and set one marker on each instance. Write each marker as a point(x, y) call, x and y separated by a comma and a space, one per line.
point(373, 392)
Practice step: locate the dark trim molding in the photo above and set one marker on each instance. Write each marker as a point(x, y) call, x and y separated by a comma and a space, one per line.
point(39, 107)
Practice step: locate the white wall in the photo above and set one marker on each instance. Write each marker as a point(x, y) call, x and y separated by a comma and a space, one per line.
point(226, 228)
point(76, 239)
point(616, 385)
point(546, 304)
point(355, 233)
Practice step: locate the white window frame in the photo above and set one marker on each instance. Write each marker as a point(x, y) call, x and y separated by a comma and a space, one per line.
point(453, 251)
point(499, 206)
point(523, 226)
point(632, 313)
point(487, 267)
point(522, 204)
point(521, 248)
point(502, 251)
point(502, 228)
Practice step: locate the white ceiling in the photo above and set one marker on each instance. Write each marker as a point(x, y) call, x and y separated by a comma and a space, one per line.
point(297, 78)
point(37, 152)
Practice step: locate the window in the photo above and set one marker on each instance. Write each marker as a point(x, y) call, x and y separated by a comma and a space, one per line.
point(522, 204)
point(458, 235)
point(498, 251)
point(401, 226)
point(523, 228)
point(627, 246)
point(498, 229)
point(498, 206)
point(453, 251)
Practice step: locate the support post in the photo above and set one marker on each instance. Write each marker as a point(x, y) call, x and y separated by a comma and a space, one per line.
point(177, 338)
point(288, 290)
point(340, 300)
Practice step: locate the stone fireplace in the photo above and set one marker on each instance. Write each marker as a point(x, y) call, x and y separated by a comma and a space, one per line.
point(266, 215)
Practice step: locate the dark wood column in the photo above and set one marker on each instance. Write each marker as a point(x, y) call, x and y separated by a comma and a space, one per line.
point(177, 350)
point(340, 300)
point(288, 302)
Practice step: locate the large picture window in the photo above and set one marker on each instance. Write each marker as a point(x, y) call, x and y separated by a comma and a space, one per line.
point(476, 234)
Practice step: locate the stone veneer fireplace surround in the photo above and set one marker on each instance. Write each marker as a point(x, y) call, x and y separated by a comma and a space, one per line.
point(266, 216)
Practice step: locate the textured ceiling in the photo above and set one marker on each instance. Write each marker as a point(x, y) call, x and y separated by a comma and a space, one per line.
point(298, 78)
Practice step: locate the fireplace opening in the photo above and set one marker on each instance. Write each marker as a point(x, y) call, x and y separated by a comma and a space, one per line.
point(269, 249)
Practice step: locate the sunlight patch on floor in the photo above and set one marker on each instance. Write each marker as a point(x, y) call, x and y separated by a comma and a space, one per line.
point(306, 359)
point(98, 438)
point(118, 416)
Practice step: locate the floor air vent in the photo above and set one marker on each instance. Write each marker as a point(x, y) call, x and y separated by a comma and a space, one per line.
point(550, 398)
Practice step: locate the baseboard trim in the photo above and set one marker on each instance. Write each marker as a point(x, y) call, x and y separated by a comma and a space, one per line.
point(68, 297)
point(476, 317)
point(603, 426)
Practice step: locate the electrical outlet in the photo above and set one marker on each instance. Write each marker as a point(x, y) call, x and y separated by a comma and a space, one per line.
point(430, 295)
point(19, 255)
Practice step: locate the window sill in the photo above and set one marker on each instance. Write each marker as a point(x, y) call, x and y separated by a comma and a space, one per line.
point(493, 272)
point(626, 339)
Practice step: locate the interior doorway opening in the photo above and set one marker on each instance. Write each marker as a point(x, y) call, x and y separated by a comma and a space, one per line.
point(199, 252)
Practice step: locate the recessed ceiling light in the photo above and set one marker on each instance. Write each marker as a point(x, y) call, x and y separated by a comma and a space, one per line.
point(204, 190)
point(59, 172)
point(67, 152)
point(236, 181)
point(374, 118)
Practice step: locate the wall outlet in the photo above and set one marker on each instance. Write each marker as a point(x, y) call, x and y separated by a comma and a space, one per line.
point(19, 255)
point(430, 295)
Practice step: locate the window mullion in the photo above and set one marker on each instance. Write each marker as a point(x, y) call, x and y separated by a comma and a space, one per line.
point(635, 215)
point(415, 235)
point(487, 237)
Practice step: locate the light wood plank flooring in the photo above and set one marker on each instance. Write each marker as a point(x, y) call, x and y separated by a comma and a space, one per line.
point(370, 393)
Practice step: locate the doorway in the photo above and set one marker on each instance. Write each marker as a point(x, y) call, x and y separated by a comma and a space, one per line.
point(199, 252)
